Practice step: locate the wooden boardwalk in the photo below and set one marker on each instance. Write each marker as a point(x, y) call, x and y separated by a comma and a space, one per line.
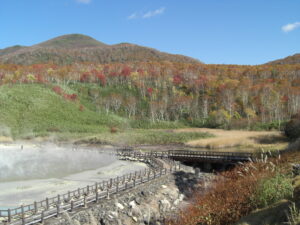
point(50, 207)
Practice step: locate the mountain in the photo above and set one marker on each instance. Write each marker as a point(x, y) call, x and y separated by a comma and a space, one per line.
point(72, 48)
point(294, 59)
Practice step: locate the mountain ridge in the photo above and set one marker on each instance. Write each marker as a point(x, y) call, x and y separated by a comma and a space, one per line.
point(72, 48)
point(292, 59)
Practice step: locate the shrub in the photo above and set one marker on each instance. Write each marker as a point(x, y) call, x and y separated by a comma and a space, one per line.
point(292, 128)
point(228, 199)
point(272, 190)
point(113, 130)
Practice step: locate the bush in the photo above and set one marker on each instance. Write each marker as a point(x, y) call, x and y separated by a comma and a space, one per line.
point(228, 199)
point(272, 190)
point(292, 128)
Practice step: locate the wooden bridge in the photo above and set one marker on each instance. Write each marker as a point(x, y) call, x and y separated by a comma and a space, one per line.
point(210, 157)
point(194, 156)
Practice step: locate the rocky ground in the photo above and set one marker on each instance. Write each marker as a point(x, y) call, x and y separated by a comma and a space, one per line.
point(149, 203)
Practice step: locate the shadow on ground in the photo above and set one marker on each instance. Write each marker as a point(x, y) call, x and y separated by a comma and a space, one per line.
point(187, 182)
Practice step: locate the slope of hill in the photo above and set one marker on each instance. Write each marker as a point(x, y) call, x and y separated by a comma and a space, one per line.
point(293, 59)
point(72, 41)
point(73, 48)
point(36, 109)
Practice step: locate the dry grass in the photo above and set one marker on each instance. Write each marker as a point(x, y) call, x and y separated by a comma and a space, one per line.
point(4, 139)
point(228, 199)
point(237, 138)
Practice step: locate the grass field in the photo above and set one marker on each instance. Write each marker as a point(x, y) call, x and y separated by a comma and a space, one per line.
point(144, 137)
point(36, 110)
point(237, 140)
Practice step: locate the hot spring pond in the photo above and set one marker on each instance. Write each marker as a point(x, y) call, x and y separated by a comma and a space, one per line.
point(31, 173)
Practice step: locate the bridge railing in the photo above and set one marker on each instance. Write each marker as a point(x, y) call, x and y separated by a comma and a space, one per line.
point(211, 155)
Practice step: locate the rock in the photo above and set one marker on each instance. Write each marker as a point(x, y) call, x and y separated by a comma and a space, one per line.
point(164, 205)
point(181, 197)
point(134, 219)
point(145, 193)
point(136, 212)
point(296, 169)
point(163, 186)
point(197, 172)
point(132, 204)
point(138, 200)
point(114, 214)
point(176, 202)
point(119, 206)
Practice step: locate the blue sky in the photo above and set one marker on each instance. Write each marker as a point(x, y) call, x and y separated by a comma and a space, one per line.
point(213, 31)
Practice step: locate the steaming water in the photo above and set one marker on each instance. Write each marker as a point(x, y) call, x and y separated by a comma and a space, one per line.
point(36, 172)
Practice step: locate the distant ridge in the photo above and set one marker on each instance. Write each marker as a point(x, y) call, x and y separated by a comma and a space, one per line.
point(72, 48)
point(294, 59)
point(72, 41)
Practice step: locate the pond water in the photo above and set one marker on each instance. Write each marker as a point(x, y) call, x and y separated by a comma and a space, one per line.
point(31, 172)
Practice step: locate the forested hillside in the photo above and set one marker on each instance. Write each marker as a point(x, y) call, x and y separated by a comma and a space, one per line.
point(196, 94)
point(293, 59)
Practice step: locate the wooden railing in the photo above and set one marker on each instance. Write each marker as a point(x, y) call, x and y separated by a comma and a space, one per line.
point(50, 207)
point(212, 156)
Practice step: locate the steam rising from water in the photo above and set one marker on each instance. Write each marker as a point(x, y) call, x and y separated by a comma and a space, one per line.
point(50, 161)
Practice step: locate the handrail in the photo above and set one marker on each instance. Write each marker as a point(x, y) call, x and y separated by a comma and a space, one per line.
point(38, 211)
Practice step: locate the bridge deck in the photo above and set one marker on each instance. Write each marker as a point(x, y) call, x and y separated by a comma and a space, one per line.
point(210, 156)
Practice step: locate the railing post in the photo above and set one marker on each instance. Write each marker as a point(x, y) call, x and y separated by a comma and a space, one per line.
point(103, 185)
point(88, 189)
point(9, 215)
point(72, 205)
point(35, 207)
point(78, 192)
point(69, 195)
point(97, 195)
point(107, 193)
point(96, 187)
point(58, 199)
point(47, 203)
point(42, 217)
point(110, 183)
point(57, 210)
point(84, 201)
point(23, 215)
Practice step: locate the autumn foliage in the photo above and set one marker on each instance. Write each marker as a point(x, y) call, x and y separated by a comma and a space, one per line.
point(229, 198)
point(203, 95)
point(58, 90)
